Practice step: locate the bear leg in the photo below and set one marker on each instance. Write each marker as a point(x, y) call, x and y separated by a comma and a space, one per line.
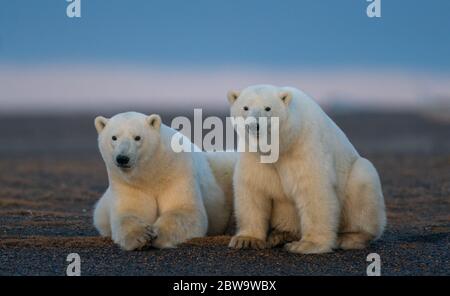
point(363, 213)
point(285, 224)
point(252, 209)
point(318, 209)
point(101, 216)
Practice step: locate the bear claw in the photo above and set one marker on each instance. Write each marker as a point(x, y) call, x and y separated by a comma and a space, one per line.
point(151, 232)
point(277, 238)
point(246, 242)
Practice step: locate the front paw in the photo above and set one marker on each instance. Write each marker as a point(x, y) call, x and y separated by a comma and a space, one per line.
point(135, 239)
point(246, 242)
point(277, 237)
point(131, 234)
point(158, 239)
point(152, 232)
point(308, 247)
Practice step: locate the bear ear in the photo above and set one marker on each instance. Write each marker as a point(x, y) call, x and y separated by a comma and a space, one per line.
point(100, 123)
point(286, 97)
point(232, 96)
point(154, 121)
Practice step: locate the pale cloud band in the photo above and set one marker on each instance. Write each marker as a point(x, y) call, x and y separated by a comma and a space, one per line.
point(65, 88)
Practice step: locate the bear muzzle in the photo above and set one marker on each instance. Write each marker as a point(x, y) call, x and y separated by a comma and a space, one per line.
point(123, 161)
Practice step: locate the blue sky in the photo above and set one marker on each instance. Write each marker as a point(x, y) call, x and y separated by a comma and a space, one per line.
point(165, 53)
point(268, 33)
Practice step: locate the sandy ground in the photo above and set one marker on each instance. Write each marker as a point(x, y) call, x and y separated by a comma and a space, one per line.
point(51, 175)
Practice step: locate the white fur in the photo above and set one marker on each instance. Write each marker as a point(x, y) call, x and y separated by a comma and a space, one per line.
point(164, 198)
point(320, 191)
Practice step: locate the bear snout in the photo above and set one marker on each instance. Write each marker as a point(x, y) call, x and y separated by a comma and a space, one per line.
point(122, 160)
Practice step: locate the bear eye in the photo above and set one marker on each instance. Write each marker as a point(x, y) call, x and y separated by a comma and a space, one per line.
point(137, 138)
point(245, 108)
point(114, 138)
point(267, 109)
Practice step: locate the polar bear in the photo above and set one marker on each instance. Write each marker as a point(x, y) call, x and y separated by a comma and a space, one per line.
point(156, 196)
point(320, 194)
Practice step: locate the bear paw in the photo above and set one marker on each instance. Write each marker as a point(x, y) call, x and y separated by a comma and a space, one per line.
point(353, 241)
point(157, 239)
point(152, 232)
point(246, 242)
point(134, 240)
point(307, 247)
point(277, 237)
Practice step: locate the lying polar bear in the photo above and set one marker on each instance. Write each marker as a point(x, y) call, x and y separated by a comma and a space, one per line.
point(156, 196)
point(320, 193)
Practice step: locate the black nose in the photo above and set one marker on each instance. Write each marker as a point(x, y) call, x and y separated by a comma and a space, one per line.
point(122, 159)
point(257, 127)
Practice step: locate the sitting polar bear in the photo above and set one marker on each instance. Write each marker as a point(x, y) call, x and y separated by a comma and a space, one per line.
point(319, 194)
point(156, 196)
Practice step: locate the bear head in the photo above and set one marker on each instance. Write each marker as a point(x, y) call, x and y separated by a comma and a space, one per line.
point(128, 140)
point(260, 101)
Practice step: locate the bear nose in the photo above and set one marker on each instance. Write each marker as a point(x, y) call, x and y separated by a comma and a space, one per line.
point(122, 159)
